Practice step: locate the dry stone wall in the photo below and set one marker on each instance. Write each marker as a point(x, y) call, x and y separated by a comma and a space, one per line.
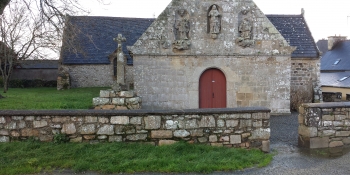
point(239, 127)
point(324, 125)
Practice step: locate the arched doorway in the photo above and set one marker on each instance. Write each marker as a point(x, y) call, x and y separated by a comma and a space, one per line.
point(212, 89)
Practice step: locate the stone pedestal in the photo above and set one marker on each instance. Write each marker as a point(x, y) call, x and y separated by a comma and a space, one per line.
point(114, 100)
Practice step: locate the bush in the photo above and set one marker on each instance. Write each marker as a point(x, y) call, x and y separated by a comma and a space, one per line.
point(301, 95)
point(31, 83)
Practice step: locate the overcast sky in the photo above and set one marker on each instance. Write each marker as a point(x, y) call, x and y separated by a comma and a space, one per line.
point(324, 17)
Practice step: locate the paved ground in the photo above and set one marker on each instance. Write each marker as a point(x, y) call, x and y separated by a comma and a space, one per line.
point(289, 159)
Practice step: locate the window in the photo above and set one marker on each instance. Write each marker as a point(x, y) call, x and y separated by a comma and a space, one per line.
point(342, 79)
point(336, 62)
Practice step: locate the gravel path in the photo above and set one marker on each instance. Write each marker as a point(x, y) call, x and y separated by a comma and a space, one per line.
point(289, 159)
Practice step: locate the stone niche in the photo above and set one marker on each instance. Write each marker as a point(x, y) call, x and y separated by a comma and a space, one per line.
point(114, 100)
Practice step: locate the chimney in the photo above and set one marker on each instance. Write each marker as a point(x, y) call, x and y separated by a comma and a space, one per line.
point(333, 40)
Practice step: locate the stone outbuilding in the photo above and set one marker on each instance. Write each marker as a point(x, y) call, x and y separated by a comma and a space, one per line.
point(199, 54)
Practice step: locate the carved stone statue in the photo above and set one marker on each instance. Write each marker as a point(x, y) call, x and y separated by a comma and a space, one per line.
point(245, 32)
point(245, 29)
point(182, 28)
point(120, 67)
point(215, 23)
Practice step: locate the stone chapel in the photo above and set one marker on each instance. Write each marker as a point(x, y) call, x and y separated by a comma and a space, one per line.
point(209, 54)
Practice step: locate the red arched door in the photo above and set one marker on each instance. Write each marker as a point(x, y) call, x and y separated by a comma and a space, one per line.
point(212, 89)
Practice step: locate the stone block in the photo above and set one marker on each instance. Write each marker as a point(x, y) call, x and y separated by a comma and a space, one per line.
point(119, 129)
point(100, 101)
point(197, 133)
point(118, 101)
point(60, 119)
point(136, 120)
point(245, 135)
point(336, 144)
point(126, 94)
point(133, 101)
point(120, 120)
point(319, 142)
point(39, 124)
point(265, 146)
point(231, 123)
point(4, 139)
point(88, 129)
point(21, 124)
point(106, 130)
point(161, 134)
point(28, 132)
point(115, 139)
point(257, 124)
point(340, 117)
point(328, 117)
point(17, 118)
point(338, 123)
point(217, 144)
point(90, 119)
point(301, 119)
point(171, 124)
point(89, 137)
point(346, 141)
point(15, 134)
point(263, 134)
point(152, 122)
point(181, 133)
point(108, 107)
point(245, 123)
point(202, 139)
point(136, 137)
point(68, 128)
point(342, 134)
point(213, 138)
point(4, 132)
point(121, 108)
point(105, 93)
point(76, 140)
point(102, 137)
point(166, 142)
point(29, 118)
point(224, 139)
point(2, 120)
point(328, 132)
point(11, 125)
point(307, 131)
point(207, 122)
point(191, 124)
point(235, 139)
point(327, 123)
point(104, 120)
point(221, 123)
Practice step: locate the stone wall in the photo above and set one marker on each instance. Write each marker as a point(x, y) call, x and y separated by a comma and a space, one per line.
point(239, 127)
point(305, 76)
point(172, 82)
point(324, 125)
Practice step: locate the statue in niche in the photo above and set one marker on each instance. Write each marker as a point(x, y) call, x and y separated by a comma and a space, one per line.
point(245, 32)
point(182, 29)
point(119, 65)
point(214, 21)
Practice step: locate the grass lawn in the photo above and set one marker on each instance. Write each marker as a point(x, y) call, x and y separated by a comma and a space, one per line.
point(48, 98)
point(33, 157)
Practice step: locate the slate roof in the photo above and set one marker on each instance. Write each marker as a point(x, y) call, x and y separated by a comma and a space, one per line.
point(341, 52)
point(37, 64)
point(295, 30)
point(96, 37)
point(333, 79)
point(322, 46)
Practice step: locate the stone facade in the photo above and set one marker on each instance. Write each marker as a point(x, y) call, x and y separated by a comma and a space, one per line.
point(305, 76)
point(248, 49)
point(245, 127)
point(94, 75)
point(324, 125)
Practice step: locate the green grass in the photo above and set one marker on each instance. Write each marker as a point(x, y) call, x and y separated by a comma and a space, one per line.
point(48, 98)
point(35, 157)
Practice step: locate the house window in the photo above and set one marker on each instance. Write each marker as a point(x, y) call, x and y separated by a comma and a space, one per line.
point(336, 62)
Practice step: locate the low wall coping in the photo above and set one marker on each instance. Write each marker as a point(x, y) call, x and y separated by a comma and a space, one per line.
point(133, 112)
point(327, 105)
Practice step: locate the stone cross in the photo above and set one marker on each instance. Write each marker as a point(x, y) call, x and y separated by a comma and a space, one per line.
point(121, 63)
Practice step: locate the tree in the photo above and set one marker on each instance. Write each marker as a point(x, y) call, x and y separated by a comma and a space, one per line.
point(32, 29)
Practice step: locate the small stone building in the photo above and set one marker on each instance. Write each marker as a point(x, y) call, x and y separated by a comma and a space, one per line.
point(199, 54)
